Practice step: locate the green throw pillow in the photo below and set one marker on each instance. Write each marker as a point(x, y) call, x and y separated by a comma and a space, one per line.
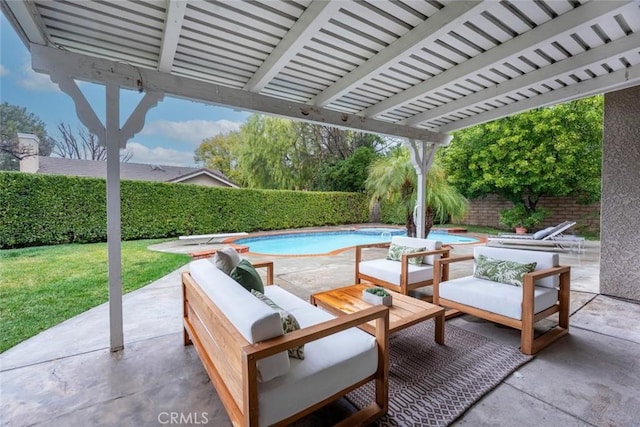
point(289, 323)
point(247, 276)
point(396, 251)
point(501, 271)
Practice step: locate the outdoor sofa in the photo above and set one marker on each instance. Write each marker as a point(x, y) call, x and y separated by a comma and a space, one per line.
point(542, 292)
point(241, 344)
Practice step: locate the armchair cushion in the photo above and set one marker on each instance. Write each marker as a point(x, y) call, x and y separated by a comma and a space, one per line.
point(497, 270)
point(390, 271)
point(495, 297)
point(396, 251)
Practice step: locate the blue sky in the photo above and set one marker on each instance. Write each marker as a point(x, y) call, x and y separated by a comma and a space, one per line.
point(173, 129)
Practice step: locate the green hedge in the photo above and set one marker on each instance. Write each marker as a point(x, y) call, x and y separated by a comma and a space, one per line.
point(46, 209)
point(392, 213)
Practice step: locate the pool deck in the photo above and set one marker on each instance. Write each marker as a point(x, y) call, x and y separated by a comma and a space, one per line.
point(66, 375)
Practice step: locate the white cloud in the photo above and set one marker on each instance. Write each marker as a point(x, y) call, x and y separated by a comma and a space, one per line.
point(3, 71)
point(192, 131)
point(35, 81)
point(159, 155)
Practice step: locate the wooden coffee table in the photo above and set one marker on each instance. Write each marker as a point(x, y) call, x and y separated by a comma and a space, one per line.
point(404, 312)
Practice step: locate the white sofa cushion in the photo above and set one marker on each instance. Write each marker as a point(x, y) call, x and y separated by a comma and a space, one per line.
point(414, 242)
point(495, 297)
point(254, 319)
point(389, 271)
point(543, 261)
point(331, 363)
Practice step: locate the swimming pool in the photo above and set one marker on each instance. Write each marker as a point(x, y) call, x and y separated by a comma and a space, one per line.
point(323, 242)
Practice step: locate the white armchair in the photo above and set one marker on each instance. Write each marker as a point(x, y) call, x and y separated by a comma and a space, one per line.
point(402, 276)
point(543, 292)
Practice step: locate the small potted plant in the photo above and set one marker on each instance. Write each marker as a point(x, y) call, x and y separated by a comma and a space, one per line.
point(377, 296)
point(520, 218)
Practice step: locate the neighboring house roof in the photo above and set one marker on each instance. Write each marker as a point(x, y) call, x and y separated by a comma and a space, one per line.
point(132, 171)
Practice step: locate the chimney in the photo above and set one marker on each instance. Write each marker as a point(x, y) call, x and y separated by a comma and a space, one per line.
point(30, 163)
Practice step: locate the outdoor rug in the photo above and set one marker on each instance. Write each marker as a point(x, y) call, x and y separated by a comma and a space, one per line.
point(432, 384)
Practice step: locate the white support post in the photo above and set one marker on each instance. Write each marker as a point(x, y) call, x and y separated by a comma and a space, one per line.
point(114, 138)
point(422, 155)
point(114, 249)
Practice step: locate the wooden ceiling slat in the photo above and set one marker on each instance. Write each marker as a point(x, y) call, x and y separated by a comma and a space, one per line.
point(227, 43)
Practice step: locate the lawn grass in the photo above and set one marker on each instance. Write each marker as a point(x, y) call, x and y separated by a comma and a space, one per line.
point(43, 286)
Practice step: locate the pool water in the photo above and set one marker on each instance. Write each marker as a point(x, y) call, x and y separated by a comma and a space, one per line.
point(315, 243)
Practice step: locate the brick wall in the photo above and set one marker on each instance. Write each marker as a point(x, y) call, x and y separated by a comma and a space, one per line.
point(486, 212)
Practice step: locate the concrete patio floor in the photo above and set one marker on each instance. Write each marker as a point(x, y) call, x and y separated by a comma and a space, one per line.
point(67, 376)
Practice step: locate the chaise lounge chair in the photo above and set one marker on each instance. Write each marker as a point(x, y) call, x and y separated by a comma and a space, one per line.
point(549, 237)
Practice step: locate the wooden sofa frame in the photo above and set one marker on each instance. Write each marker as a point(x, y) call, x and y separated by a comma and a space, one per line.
point(230, 360)
point(528, 343)
point(405, 286)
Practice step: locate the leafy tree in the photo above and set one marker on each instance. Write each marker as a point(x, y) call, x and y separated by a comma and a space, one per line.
point(348, 174)
point(271, 152)
point(218, 153)
point(13, 120)
point(552, 151)
point(84, 146)
point(268, 156)
point(393, 178)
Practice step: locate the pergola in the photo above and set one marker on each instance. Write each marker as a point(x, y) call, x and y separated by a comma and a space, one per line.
point(414, 69)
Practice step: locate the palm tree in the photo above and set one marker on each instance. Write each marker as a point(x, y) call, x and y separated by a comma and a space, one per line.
point(393, 179)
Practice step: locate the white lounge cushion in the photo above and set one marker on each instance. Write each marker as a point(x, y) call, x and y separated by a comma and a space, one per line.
point(254, 319)
point(331, 364)
point(495, 297)
point(389, 271)
point(543, 261)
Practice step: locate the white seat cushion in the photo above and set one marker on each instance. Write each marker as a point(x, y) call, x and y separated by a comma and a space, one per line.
point(330, 364)
point(495, 297)
point(255, 320)
point(389, 271)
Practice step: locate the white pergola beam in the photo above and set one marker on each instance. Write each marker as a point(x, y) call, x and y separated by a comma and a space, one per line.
point(84, 111)
point(171, 34)
point(617, 80)
point(581, 16)
point(309, 23)
point(600, 54)
point(82, 67)
point(437, 25)
point(25, 19)
point(135, 122)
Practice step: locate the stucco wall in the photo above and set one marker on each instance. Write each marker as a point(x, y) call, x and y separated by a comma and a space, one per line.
point(620, 225)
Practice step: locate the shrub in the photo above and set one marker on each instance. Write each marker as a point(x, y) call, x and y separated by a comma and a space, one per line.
point(47, 209)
